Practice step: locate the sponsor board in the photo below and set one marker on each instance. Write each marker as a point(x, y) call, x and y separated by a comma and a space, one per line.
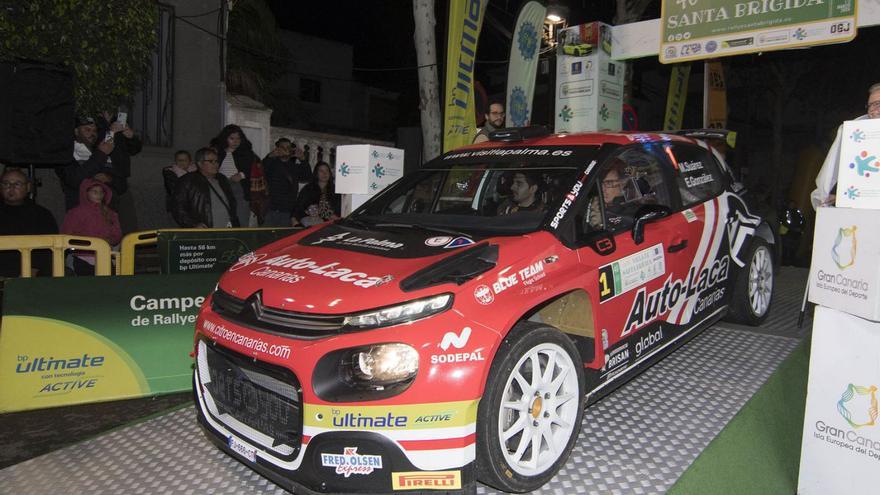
point(426, 480)
point(844, 274)
point(91, 339)
point(841, 438)
point(349, 462)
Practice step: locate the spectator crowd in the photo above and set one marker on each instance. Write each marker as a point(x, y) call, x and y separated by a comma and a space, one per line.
point(224, 184)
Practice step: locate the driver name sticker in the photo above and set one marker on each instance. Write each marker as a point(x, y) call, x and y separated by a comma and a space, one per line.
point(630, 272)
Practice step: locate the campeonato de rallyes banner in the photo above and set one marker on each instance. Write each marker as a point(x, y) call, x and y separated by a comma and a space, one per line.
point(465, 22)
point(524, 50)
point(698, 29)
point(90, 339)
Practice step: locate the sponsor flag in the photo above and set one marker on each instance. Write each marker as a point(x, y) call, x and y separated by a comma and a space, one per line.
point(714, 97)
point(675, 99)
point(524, 50)
point(465, 22)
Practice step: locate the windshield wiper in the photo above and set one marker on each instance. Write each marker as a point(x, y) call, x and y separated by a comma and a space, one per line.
point(357, 223)
point(423, 227)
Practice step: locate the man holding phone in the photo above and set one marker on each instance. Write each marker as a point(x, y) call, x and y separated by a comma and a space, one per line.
point(126, 144)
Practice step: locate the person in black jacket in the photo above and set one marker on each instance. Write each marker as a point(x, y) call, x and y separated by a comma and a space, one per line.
point(21, 216)
point(89, 158)
point(204, 198)
point(236, 156)
point(183, 164)
point(317, 201)
point(127, 144)
point(281, 181)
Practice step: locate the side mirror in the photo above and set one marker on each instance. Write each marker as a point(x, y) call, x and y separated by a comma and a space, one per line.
point(602, 242)
point(647, 214)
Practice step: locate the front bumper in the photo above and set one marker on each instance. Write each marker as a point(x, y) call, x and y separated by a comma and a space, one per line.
point(335, 448)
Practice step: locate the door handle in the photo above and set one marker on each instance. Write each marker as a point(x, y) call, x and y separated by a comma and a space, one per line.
point(677, 247)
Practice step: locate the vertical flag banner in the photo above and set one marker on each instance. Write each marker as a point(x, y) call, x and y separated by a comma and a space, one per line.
point(715, 97)
point(524, 50)
point(675, 99)
point(465, 22)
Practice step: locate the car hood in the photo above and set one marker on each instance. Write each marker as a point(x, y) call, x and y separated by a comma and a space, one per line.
point(337, 269)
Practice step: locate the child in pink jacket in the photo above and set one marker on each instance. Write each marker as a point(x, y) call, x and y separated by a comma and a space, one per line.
point(93, 218)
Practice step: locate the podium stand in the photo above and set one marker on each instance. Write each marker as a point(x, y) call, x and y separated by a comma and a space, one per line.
point(840, 450)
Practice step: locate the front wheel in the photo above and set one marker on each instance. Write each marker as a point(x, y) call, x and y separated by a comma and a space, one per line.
point(530, 414)
point(753, 291)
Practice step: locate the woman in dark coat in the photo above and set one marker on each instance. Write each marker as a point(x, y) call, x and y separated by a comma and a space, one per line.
point(317, 201)
point(236, 156)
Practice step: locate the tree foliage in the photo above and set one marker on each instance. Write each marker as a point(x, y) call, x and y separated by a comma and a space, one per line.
point(107, 45)
point(256, 56)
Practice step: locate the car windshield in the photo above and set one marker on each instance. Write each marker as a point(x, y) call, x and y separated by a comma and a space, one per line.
point(496, 199)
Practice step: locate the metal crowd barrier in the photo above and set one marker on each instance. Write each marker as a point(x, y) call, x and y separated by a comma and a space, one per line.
point(131, 242)
point(105, 259)
point(58, 245)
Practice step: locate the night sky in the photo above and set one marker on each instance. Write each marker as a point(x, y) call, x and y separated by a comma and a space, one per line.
point(381, 32)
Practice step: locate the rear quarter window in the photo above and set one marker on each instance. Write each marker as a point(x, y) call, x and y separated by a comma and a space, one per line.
point(697, 174)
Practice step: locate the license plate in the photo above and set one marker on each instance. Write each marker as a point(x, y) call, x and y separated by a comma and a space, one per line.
point(243, 450)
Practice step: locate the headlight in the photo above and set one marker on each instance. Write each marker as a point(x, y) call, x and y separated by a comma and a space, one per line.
point(365, 373)
point(402, 313)
point(384, 364)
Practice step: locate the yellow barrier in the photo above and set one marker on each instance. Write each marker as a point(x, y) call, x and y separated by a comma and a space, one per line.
point(58, 244)
point(132, 241)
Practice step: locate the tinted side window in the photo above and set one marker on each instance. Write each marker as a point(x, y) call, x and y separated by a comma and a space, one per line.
point(631, 178)
point(697, 175)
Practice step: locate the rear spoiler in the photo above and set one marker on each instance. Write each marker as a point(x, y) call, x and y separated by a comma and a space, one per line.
point(725, 135)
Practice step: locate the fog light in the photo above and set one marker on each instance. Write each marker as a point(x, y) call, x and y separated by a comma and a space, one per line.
point(385, 364)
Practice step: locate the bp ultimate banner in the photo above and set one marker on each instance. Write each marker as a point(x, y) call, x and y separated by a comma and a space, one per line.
point(91, 339)
point(210, 250)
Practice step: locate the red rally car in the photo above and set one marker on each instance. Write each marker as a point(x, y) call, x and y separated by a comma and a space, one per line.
point(454, 327)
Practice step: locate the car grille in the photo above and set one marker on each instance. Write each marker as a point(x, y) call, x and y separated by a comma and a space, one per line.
point(253, 314)
point(259, 401)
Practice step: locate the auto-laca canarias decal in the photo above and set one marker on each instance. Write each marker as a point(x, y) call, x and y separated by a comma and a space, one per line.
point(680, 300)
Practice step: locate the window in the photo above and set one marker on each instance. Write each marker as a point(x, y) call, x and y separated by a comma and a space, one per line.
point(310, 90)
point(697, 175)
point(631, 178)
point(152, 106)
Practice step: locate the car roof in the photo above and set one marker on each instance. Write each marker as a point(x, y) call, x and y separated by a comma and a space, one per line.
point(585, 139)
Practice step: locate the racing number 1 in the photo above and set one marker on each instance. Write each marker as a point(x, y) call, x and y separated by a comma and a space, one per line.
point(606, 283)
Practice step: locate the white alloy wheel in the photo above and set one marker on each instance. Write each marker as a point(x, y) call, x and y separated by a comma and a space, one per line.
point(760, 280)
point(539, 409)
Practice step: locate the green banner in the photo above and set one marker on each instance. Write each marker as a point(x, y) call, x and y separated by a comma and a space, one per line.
point(698, 29)
point(210, 251)
point(89, 339)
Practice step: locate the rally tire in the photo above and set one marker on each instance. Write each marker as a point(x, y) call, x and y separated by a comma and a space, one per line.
point(753, 291)
point(528, 409)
